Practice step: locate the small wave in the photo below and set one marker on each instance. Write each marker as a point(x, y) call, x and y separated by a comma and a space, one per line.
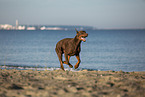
point(40, 68)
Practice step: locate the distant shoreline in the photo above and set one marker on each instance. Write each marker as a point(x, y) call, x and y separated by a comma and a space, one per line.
point(57, 27)
point(70, 29)
point(44, 27)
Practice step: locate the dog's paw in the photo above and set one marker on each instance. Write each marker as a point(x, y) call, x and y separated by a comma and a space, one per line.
point(70, 66)
point(76, 66)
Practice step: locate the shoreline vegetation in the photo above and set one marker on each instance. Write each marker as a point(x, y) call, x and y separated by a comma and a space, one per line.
point(84, 83)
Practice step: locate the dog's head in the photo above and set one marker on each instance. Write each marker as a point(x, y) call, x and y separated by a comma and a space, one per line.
point(81, 35)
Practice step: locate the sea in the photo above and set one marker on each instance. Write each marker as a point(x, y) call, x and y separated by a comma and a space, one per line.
point(103, 50)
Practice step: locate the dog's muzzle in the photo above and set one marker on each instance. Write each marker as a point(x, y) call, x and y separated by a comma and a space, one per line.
point(83, 38)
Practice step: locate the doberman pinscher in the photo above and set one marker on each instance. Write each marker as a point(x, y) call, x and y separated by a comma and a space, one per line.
point(70, 47)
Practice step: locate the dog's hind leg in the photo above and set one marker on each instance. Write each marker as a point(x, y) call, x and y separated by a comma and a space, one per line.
point(67, 57)
point(60, 60)
point(69, 63)
point(78, 63)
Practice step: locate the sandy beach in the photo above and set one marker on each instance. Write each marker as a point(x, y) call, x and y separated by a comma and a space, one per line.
point(57, 83)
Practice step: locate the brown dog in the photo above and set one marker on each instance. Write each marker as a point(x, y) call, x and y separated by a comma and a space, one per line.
point(70, 47)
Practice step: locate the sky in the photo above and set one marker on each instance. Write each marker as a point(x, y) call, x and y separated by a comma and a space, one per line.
point(96, 13)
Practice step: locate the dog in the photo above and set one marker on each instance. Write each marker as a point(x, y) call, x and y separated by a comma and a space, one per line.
point(70, 47)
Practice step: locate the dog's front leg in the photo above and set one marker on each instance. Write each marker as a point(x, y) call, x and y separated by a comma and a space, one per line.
point(67, 57)
point(68, 60)
point(79, 61)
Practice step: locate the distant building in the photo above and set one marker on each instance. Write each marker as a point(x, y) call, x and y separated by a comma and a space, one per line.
point(17, 24)
point(31, 28)
point(54, 28)
point(43, 28)
point(51, 28)
point(6, 27)
point(21, 28)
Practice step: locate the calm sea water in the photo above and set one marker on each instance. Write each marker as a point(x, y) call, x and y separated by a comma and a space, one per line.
point(103, 50)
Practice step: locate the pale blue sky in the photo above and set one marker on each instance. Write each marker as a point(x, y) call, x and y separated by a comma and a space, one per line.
point(97, 13)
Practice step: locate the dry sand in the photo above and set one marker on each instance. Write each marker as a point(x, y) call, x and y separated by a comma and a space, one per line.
point(57, 83)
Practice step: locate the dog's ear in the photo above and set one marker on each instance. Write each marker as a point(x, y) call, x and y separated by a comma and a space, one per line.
point(76, 30)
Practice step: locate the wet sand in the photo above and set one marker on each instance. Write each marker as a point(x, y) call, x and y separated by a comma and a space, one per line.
point(57, 83)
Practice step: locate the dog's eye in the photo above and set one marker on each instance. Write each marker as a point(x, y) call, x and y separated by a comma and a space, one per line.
point(83, 33)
